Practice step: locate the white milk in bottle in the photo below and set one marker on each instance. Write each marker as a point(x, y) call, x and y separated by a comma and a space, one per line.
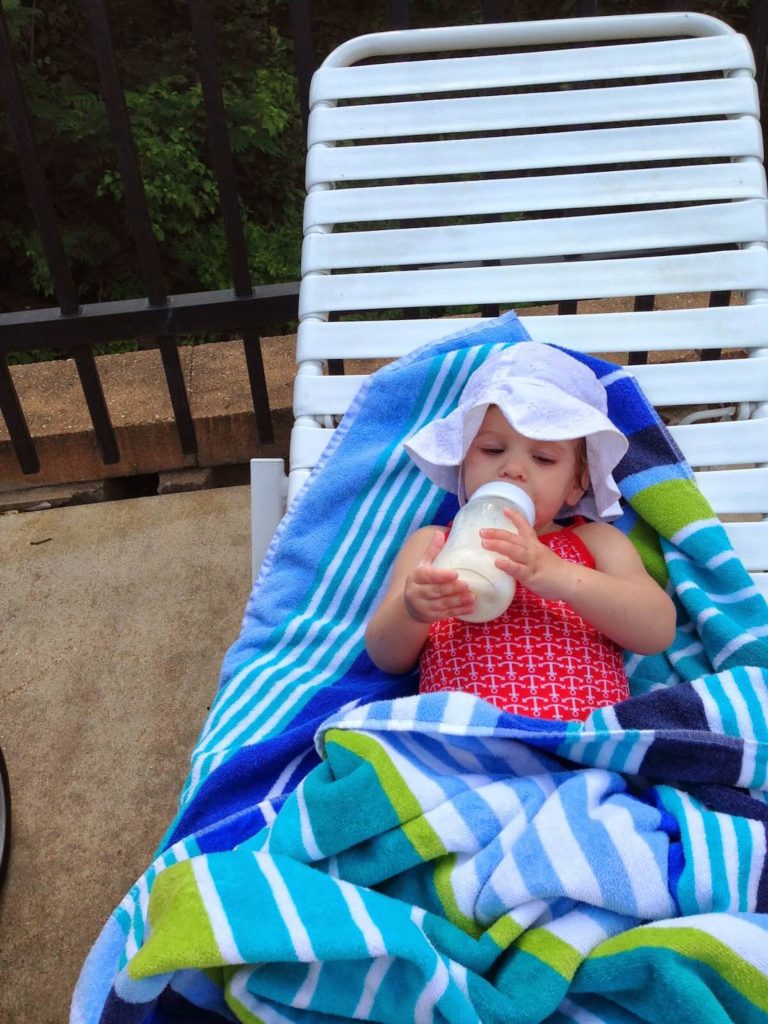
point(491, 587)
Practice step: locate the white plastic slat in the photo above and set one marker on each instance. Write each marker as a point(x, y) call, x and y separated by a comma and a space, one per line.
point(267, 499)
point(307, 445)
point(738, 136)
point(663, 384)
point(643, 187)
point(686, 227)
point(704, 98)
point(379, 339)
point(548, 282)
point(680, 57)
point(494, 36)
point(662, 330)
point(659, 331)
point(723, 444)
point(708, 443)
point(325, 396)
point(296, 480)
point(735, 490)
point(750, 542)
point(725, 380)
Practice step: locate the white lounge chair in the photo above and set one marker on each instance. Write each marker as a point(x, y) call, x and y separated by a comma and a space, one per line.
point(532, 163)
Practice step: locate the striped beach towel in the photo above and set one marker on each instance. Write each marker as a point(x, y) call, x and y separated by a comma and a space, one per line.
point(344, 850)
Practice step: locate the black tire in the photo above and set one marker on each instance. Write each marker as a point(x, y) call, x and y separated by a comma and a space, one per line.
point(5, 819)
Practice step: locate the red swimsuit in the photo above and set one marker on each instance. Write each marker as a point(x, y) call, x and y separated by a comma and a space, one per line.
point(539, 658)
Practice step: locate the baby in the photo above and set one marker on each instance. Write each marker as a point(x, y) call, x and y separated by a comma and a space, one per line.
point(533, 416)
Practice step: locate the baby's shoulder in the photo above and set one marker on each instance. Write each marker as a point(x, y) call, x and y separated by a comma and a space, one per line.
point(598, 536)
point(590, 528)
point(611, 549)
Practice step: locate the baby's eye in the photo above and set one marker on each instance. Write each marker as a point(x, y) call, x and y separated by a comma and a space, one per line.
point(545, 460)
point(491, 449)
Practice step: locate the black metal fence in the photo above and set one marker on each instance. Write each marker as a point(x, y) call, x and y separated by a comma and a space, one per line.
point(159, 318)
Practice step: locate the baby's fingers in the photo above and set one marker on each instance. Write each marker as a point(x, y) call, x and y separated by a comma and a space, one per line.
point(428, 575)
point(435, 546)
point(519, 521)
point(503, 541)
point(428, 601)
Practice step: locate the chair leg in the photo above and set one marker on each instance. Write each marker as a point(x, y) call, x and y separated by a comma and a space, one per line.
point(5, 819)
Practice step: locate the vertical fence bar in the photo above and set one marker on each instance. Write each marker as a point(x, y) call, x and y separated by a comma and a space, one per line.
point(53, 249)
point(218, 136)
point(97, 405)
point(757, 32)
point(303, 53)
point(137, 211)
point(21, 439)
point(568, 307)
point(177, 392)
point(642, 304)
point(34, 179)
point(221, 155)
point(715, 299)
point(306, 63)
point(493, 11)
point(397, 20)
point(398, 15)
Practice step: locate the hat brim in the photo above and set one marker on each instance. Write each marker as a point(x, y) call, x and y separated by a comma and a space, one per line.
point(534, 408)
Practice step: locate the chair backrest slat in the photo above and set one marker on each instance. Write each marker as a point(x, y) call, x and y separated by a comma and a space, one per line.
point(734, 490)
point(700, 140)
point(665, 384)
point(750, 541)
point(638, 187)
point(695, 226)
point(536, 282)
point(597, 164)
point(739, 327)
point(727, 97)
point(723, 443)
point(451, 74)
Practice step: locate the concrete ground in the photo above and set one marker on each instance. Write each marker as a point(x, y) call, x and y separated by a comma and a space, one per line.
point(114, 619)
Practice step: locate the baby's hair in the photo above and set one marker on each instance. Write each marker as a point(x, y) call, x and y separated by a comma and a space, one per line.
point(582, 464)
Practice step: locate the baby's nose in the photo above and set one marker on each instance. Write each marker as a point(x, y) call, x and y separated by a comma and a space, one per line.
point(513, 468)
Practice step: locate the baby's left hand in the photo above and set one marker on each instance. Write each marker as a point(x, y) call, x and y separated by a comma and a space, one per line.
point(524, 557)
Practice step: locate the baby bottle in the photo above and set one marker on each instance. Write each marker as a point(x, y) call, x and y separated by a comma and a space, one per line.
point(491, 587)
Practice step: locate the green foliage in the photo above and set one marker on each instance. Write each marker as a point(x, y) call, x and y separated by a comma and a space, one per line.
point(165, 105)
point(156, 57)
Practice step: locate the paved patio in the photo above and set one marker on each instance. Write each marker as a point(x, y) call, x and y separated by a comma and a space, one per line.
point(114, 620)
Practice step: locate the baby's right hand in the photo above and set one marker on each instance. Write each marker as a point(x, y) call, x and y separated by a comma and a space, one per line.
point(432, 594)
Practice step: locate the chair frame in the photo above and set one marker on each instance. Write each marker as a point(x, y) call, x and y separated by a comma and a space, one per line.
point(506, 125)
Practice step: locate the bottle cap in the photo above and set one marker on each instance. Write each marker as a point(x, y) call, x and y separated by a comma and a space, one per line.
point(508, 492)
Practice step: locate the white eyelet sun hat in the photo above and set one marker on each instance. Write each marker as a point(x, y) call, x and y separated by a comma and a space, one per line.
point(544, 394)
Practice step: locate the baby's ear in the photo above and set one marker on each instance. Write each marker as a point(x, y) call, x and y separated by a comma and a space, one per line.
point(581, 470)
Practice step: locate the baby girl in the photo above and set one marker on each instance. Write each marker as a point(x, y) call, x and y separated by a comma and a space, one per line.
point(536, 417)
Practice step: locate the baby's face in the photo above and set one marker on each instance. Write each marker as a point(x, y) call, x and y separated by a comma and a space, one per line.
point(546, 470)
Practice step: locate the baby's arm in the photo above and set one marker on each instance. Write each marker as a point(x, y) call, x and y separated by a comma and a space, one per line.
point(618, 597)
point(418, 595)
